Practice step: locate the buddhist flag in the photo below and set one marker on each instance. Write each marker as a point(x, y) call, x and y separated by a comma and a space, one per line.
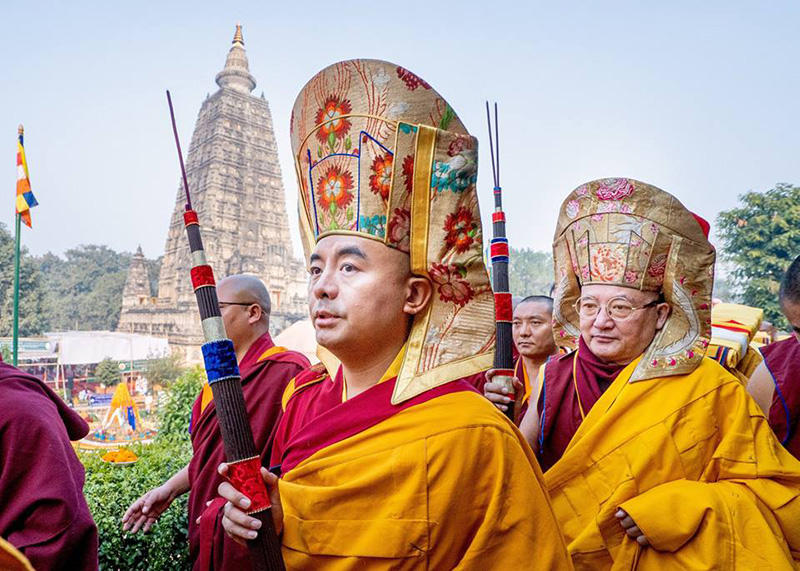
point(25, 198)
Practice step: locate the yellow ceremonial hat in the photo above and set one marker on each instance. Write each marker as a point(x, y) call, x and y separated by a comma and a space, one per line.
point(380, 154)
point(628, 233)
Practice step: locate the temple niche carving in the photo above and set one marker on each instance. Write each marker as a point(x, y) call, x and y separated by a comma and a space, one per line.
point(237, 190)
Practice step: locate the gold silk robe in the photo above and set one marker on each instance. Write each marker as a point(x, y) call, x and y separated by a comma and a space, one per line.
point(693, 461)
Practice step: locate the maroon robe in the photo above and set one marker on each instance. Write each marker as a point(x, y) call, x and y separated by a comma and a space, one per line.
point(263, 383)
point(42, 509)
point(783, 363)
point(559, 409)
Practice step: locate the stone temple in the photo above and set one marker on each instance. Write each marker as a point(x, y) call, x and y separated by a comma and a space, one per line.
point(237, 190)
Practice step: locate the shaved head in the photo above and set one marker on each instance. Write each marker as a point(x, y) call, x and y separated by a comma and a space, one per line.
point(244, 288)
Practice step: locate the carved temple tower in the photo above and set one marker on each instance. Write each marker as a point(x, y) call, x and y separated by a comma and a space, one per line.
point(237, 190)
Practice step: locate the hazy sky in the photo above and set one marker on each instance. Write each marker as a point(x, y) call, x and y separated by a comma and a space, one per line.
point(698, 98)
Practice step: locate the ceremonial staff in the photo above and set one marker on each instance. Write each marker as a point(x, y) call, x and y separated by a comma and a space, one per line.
point(244, 462)
point(498, 251)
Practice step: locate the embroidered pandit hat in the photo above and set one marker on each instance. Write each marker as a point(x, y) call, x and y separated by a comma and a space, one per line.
point(381, 155)
point(628, 233)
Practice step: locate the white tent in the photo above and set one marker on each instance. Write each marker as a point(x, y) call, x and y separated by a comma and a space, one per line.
point(301, 337)
point(89, 347)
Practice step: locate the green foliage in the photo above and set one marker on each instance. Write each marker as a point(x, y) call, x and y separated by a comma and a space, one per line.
point(33, 316)
point(5, 353)
point(107, 371)
point(761, 238)
point(530, 272)
point(111, 489)
point(164, 370)
point(174, 415)
point(84, 290)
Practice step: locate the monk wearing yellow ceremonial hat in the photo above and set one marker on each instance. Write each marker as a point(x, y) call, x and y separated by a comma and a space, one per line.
point(391, 459)
point(657, 457)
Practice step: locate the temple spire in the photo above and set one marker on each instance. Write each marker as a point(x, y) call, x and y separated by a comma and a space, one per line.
point(236, 73)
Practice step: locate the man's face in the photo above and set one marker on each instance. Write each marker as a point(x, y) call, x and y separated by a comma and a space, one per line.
point(532, 329)
point(239, 311)
point(358, 289)
point(620, 341)
point(791, 310)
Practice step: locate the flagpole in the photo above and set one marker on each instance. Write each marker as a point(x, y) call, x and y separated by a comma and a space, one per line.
point(15, 342)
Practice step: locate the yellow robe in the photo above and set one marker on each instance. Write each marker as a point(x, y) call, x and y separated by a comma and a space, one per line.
point(446, 484)
point(693, 461)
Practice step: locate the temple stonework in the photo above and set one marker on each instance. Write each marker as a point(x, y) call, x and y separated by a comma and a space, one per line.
point(237, 190)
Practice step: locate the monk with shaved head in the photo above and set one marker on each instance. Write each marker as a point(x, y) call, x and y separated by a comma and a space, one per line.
point(266, 371)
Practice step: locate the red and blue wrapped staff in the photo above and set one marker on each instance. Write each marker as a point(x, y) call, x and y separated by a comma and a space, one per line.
point(222, 370)
point(498, 252)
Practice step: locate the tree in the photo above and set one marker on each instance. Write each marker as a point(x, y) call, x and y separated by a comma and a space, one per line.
point(761, 238)
point(164, 370)
point(530, 272)
point(33, 314)
point(107, 372)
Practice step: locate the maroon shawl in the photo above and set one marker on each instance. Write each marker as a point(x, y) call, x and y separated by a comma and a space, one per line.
point(783, 362)
point(558, 406)
point(42, 509)
point(263, 383)
point(316, 417)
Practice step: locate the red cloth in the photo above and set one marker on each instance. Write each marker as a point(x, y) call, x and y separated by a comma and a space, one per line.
point(316, 417)
point(42, 509)
point(263, 384)
point(783, 361)
point(558, 405)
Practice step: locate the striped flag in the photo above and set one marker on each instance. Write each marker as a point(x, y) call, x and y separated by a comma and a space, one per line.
point(25, 198)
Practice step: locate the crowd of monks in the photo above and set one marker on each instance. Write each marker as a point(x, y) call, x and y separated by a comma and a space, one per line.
point(629, 448)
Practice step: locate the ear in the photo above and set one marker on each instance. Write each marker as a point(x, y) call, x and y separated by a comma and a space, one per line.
point(254, 313)
point(419, 291)
point(662, 313)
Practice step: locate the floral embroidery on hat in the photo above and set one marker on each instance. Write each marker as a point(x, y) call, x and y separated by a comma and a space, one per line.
point(608, 262)
point(411, 80)
point(335, 127)
point(399, 228)
point(375, 225)
point(614, 189)
point(334, 188)
point(450, 283)
point(461, 228)
point(381, 178)
point(573, 207)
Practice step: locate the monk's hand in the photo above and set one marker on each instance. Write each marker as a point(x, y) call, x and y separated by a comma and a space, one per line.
point(237, 524)
point(630, 527)
point(499, 394)
point(144, 512)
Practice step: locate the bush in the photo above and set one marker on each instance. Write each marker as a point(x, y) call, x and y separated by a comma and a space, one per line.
point(110, 489)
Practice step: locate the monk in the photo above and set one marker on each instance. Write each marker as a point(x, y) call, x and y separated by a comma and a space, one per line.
point(532, 331)
point(775, 384)
point(391, 459)
point(655, 456)
point(266, 370)
point(45, 518)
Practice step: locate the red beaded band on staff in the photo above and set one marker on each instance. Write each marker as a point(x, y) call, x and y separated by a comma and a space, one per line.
point(202, 276)
point(503, 310)
point(498, 249)
point(190, 217)
point(245, 476)
point(498, 216)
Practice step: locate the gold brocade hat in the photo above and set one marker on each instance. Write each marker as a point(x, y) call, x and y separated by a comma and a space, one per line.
point(624, 232)
point(381, 155)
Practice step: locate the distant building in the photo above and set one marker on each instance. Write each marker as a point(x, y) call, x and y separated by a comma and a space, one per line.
point(237, 190)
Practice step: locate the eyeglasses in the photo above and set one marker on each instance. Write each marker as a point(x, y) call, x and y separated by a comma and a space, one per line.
point(618, 308)
point(246, 304)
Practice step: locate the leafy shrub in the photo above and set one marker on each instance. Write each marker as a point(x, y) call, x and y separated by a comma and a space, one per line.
point(110, 489)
